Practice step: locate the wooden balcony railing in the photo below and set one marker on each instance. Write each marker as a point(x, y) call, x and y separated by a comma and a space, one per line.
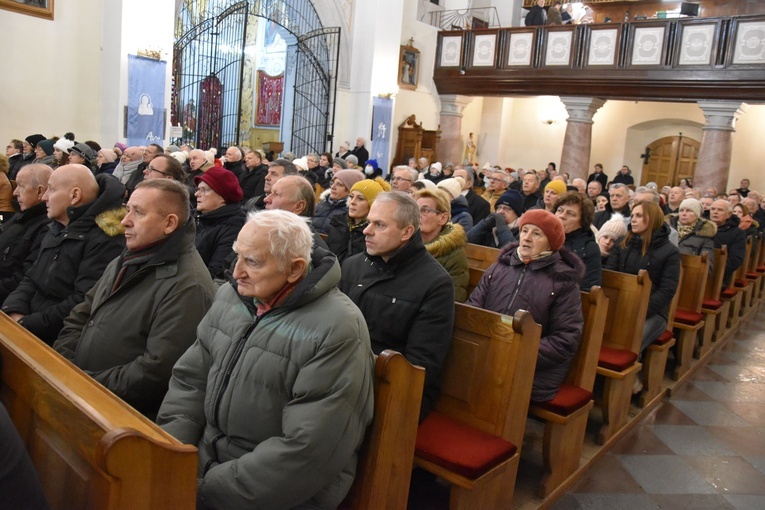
point(671, 60)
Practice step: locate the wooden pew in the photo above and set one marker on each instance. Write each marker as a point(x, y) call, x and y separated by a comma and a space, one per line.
point(760, 267)
point(740, 280)
point(387, 454)
point(91, 450)
point(481, 257)
point(714, 309)
point(618, 361)
point(566, 415)
point(735, 294)
point(688, 318)
point(754, 276)
point(475, 275)
point(655, 357)
point(473, 438)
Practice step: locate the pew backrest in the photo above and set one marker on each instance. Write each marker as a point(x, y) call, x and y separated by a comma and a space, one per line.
point(693, 282)
point(715, 281)
point(481, 257)
point(628, 296)
point(90, 449)
point(488, 373)
point(585, 363)
point(740, 273)
point(387, 454)
point(474, 277)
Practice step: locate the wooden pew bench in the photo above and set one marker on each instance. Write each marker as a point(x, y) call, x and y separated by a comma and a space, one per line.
point(741, 282)
point(689, 320)
point(714, 309)
point(566, 415)
point(387, 454)
point(734, 295)
point(481, 257)
point(90, 449)
point(622, 335)
point(473, 437)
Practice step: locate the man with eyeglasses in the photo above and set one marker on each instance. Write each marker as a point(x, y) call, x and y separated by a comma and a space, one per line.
point(163, 166)
point(498, 181)
point(406, 296)
point(403, 178)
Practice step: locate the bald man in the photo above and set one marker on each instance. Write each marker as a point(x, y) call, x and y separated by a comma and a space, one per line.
point(84, 236)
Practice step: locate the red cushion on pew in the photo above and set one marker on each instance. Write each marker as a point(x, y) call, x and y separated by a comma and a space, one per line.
point(711, 304)
point(616, 359)
point(665, 337)
point(728, 293)
point(760, 269)
point(741, 283)
point(688, 317)
point(568, 399)
point(460, 448)
point(753, 276)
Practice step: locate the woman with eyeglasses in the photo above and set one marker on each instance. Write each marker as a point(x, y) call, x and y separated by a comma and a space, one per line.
point(444, 240)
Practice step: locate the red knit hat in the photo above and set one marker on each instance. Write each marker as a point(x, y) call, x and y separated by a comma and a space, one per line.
point(548, 223)
point(223, 182)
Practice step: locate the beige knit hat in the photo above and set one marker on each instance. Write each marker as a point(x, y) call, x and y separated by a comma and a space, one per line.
point(615, 228)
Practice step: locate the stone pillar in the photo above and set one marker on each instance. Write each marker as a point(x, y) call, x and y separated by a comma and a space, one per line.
point(713, 165)
point(575, 157)
point(451, 148)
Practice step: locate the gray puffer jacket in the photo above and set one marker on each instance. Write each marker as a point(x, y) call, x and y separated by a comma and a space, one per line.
point(277, 404)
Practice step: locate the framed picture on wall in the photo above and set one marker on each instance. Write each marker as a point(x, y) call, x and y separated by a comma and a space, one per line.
point(408, 67)
point(39, 8)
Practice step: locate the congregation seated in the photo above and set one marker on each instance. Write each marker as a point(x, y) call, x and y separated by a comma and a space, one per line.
point(728, 234)
point(276, 170)
point(252, 178)
point(219, 217)
point(407, 298)
point(106, 161)
point(696, 235)
point(576, 212)
point(84, 236)
point(746, 222)
point(530, 190)
point(282, 427)
point(458, 203)
point(495, 187)
point(500, 228)
point(403, 179)
point(539, 275)
point(21, 235)
point(647, 246)
point(610, 234)
point(295, 194)
point(335, 203)
point(6, 191)
point(346, 233)
point(553, 190)
point(618, 202)
point(141, 315)
point(478, 207)
point(164, 166)
point(443, 239)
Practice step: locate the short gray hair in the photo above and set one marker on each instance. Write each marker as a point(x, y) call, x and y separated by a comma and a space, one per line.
point(646, 189)
point(289, 235)
point(414, 174)
point(619, 185)
point(406, 212)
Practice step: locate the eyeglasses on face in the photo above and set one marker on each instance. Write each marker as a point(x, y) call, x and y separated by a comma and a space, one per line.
point(428, 210)
point(399, 179)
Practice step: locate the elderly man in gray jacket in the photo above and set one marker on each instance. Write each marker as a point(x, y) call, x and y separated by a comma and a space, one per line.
point(141, 315)
point(277, 391)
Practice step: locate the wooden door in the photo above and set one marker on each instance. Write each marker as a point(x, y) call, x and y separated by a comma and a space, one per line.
point(672, 158)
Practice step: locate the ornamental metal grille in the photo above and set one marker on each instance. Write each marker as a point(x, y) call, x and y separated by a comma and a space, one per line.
point(208, 60)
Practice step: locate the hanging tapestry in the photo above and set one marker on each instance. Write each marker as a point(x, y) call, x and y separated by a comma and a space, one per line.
point(269, 99)
point(210, 112)
point(146, 101)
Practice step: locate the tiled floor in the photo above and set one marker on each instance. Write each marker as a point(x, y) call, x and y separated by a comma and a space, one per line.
point(702, 449)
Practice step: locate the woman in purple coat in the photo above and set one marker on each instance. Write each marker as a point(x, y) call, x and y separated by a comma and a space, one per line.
point(540, 276)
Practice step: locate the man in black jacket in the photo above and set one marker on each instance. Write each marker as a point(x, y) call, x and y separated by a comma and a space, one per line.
point(728, 233)
point(22, 234)
point(361, 152)
point(84, 236)
point(478, 207)
point(537, 16)
point(405, 295)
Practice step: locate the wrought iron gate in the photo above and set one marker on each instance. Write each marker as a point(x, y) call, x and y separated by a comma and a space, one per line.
point(208, 61)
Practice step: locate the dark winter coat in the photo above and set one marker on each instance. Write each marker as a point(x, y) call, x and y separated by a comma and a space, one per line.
point(601, 177)
point(344, 241)
point(485, 233)
point(699, 241)
point(536, 16)
point(549, 289)
point(601, 217)
point(734, 238)
point(662, 261)
point(460, 213)
point(478, 207)
point(582, 243)
point(253, 181)
point(107, 167)
point(19, 243)
point(621, 178)
point(216, 233)
point(129, 338)
point(362, 154)
point(408, 303)
point(71, 260)
point(449, 250)
point(325, 211)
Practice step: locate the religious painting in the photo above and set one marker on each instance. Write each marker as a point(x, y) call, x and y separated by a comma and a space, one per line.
point(647, 46)
point(408, 67)
point(519, 53)
point(39, 8)
point(270, 89)
point(484, 50)
point(602, 47)
point(558, 48)
point(696, 45)
point(750, 43)
point(451, 51)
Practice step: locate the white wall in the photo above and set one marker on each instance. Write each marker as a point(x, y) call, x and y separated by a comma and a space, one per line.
point(50, 72)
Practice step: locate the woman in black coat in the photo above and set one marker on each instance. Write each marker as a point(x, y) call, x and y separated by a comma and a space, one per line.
point(647, 246)
point(576, 211)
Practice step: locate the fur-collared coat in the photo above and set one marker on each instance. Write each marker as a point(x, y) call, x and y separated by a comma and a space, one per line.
point(699, 241)
point(549, 289)
point(449, 250)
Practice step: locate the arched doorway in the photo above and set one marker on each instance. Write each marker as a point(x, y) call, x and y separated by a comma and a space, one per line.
point(669, 159)
point(215, 44)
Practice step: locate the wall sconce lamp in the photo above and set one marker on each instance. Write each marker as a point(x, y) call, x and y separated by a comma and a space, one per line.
point(549, 122)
